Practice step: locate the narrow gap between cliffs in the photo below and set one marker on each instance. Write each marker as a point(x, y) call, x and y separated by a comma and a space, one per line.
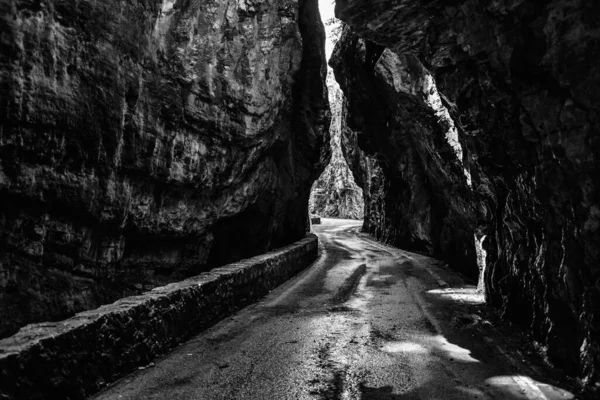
point(335, 194)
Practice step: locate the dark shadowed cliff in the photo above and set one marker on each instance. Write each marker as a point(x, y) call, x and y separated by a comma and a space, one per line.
point(520, 81)
point(141, 142)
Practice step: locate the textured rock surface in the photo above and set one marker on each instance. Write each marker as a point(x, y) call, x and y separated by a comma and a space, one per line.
point(335, 194)
point(521, 81)
point(76, 357)
point(413, 178)
point(370, 177)
point(142, 142)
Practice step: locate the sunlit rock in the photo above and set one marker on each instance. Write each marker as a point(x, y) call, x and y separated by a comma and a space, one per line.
point(335, 194)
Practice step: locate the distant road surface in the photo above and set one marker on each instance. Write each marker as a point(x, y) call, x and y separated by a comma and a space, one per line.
point(365, 321)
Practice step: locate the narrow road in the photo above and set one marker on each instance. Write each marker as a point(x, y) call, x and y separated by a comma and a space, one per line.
point(363, 322)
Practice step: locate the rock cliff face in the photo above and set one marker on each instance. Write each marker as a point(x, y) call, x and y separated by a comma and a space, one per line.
point(521, 82)
point(142, 142)
point(412, 168)
point(335, 194)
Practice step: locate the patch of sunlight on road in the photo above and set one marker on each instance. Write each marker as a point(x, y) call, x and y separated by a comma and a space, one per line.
point(404, 347)
point(452, 350)
point(531, 389)
point(435, 343)
point(463, 295)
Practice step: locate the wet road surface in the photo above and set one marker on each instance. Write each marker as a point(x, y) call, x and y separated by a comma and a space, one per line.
point(365, 321)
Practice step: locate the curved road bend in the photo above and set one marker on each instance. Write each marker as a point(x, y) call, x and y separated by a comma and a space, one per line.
point(365, 321)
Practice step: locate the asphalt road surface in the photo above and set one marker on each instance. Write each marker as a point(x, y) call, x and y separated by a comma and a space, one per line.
point(365, 321)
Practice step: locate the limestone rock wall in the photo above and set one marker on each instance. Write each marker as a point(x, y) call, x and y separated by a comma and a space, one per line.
point(520, 80)
point(414, 182)
point(143, 142)
point(335, 194)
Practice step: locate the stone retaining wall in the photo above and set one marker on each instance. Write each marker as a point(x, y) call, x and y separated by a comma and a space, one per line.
point(74, 358)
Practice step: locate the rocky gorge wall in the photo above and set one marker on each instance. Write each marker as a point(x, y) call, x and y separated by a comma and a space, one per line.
point(520, 82)
point(413, 179)
point(144, 142)
point(335, 194)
